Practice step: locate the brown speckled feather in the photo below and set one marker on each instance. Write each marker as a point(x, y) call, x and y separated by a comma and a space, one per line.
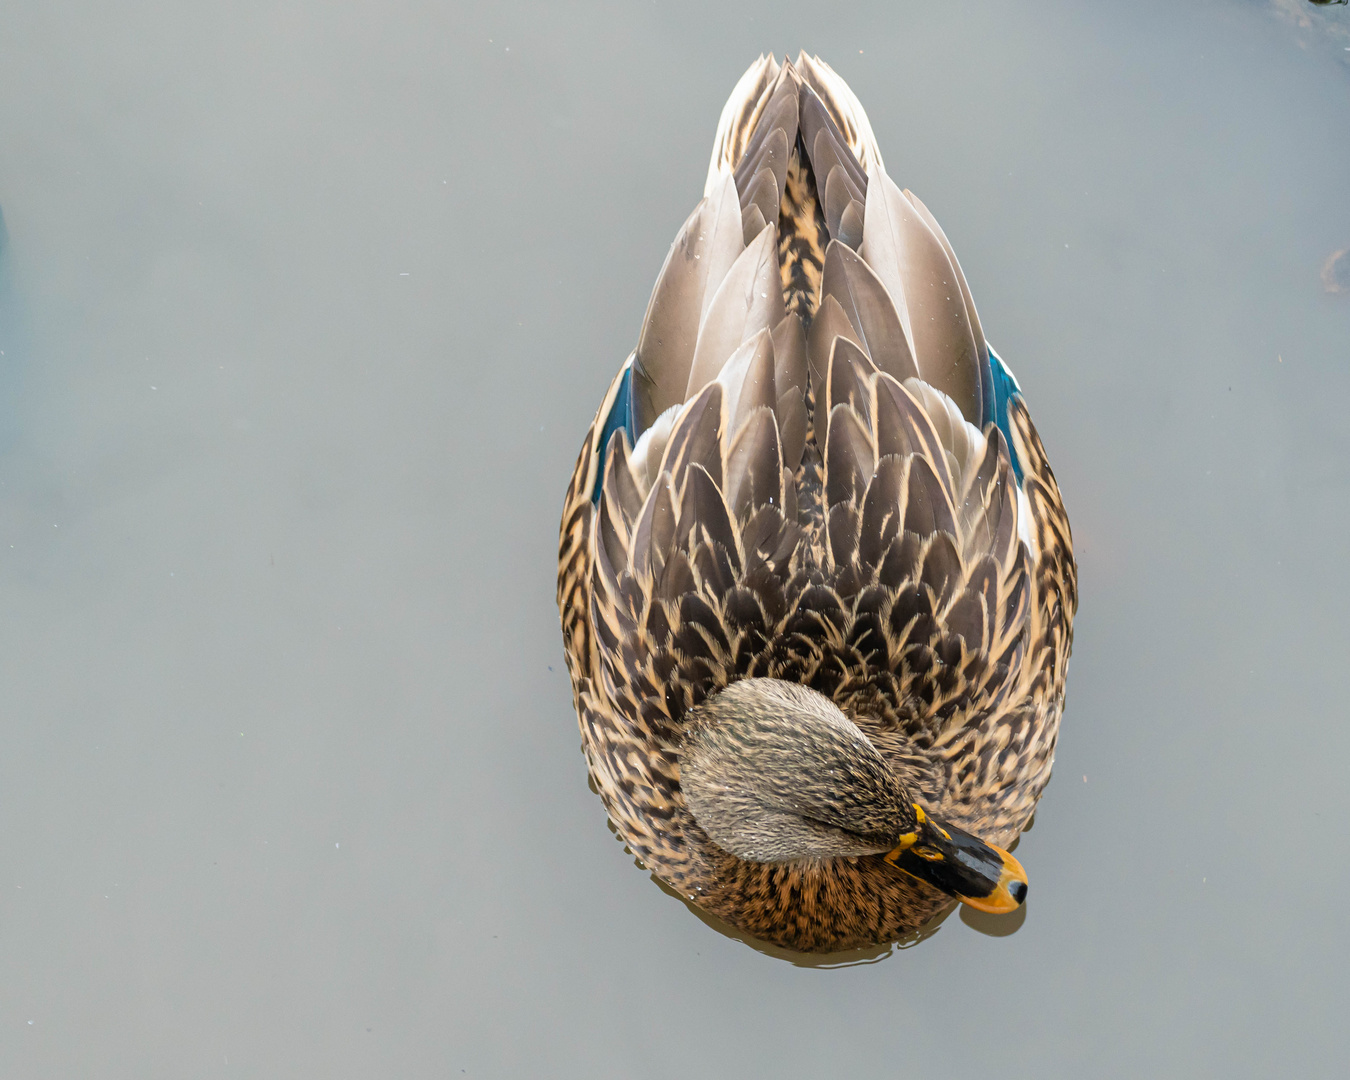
point(895, 567)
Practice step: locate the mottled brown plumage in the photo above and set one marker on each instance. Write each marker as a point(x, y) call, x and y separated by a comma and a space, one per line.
point(813, 484)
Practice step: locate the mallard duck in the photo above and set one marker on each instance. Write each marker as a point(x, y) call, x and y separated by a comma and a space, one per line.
point(816, 580)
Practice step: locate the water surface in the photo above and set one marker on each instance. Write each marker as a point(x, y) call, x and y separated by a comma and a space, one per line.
point(304, 309)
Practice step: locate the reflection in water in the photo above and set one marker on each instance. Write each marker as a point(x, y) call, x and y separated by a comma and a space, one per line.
point(994, 925)
point(1336, 271)
point(1324, 27)
point(10, 349)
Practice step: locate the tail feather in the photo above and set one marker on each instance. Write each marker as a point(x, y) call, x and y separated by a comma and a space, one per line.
point(739, 116)
point(844, 108)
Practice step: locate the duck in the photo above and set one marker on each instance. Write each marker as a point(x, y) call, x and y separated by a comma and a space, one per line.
point(816, 580)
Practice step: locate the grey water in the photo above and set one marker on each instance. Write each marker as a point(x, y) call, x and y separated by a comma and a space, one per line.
point(304, 309)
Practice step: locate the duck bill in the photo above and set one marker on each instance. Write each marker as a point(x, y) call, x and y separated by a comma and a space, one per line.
point(964, 866)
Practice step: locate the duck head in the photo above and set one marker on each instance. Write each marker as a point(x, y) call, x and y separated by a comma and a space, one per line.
point(774, 772)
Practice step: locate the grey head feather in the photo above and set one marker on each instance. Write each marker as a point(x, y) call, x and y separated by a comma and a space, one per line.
point(773, 771)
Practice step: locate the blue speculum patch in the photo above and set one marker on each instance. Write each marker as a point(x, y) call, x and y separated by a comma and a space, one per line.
point(1005, 387)
point(620, 417)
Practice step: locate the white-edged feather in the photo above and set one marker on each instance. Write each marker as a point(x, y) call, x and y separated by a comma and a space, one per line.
point(738, 118)
point(846, 108)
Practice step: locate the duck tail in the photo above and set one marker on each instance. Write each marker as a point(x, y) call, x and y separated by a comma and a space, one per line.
point(739, 116)
point(844, 108)
point(748, 101)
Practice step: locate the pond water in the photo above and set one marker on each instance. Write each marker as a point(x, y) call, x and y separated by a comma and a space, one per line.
point(304, 309)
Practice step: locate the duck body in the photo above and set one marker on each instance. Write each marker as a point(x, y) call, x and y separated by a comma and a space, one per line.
point(813, 492)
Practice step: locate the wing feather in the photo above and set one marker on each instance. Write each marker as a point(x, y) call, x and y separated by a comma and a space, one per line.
point(844, 106)
point(912, 264)
point(739, 116)
point(748, 300)
point(870, 310)
point(705, 249)
point(754, 474)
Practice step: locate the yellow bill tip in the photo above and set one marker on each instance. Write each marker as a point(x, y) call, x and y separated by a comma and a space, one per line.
point(1010, 892)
